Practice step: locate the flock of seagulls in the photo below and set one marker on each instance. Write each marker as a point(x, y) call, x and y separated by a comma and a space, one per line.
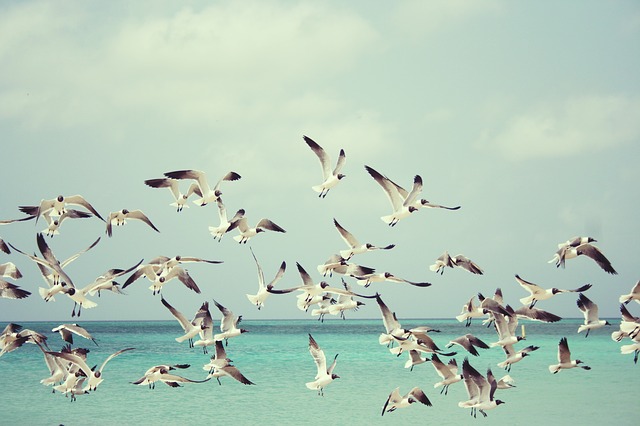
point(71, 375)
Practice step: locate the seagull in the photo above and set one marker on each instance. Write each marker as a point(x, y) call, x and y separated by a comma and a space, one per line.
point(95, 377)
point(205, 322)
point(54, 223)
point(159, 276)
point(506, 382)
point(402, 205)
point(12, 291)
point(422, 203)
point(174, 186)
point(355, 247)
point(167, 263)
point(57, 206)
point(395, 400)
point(106, 280)
point(465, 263)
point(191, 328)
point(336, 263)
point(470, 311)
point(576, 241)
point(481, 390)
point(228, 325)
point(219, 231)
point(220, 366)
point(366, 280)
point(447, 372)
point(514, 356)
point(391, 325)
point(538, 293)
point(203, 189)
point(442, 262)
point(120, 218)
point(419, 341)
point(564, 358)
point(259, 298)
point(68, 330)
point(345, 302)
point(468, 342)
point(325, 374)
point(633, 295)
point(247, 232)
point(330, 177)
point(590, 312)
point(506, 329)
point(587, 249)
point(161, 373)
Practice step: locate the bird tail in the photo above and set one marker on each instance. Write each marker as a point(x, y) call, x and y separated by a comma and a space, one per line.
point(554, 368)
point(317, 188)
point(395, 350)
point(387, 219)
point(628, 349)
point(44, 292)
point(253, 299)
point(435, 267)
point(88, 304)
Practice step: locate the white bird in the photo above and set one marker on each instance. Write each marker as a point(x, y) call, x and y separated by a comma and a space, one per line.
point(337, 264)
point(539, 293)
point(204, 320)
point(447, 372)
point(12, 291)
point(95, 376)
point(469, 342)
point(633, 295)
point(174, 186)
point(395, 400)
point(480, 389)
point(576, 241)
point(54, 223)
point(402, 205)
point(161, 373)
point(366, 280)
point(120, 218)
point(219, 231)
point(586, 249)
point(355, 247)
point(325, 374)
point(247, 232)
point(470, 311)
point(228, 325)
point(506, 326)
point(159, 276)
point(564, 359)
point(57, 206)
point(506, 382)
point(191, 328)
point(206, 193)
point(220, 366)
point(259, 298)
point(330, 177)
point(422, 203)
point(629, 326)
point(393, 329)
point(465, 263)
point(442, 262)
point(68, 330)
point(590, 312)
point(106, 280)
point(514, 356)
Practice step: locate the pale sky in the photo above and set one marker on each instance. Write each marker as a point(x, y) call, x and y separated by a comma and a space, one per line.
point(527, 114)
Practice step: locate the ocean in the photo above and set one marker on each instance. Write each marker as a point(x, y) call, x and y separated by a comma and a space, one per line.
point(275, 356)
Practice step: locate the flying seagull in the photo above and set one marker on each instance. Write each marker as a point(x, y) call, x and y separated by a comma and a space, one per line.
point(120, 218)
point(206, 193)
point(564, 359)
point(395, 400)
point(325, 374)
point(402, 205)
point(330, 177)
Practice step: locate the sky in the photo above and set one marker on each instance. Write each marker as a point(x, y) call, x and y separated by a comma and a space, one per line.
point(526, 114)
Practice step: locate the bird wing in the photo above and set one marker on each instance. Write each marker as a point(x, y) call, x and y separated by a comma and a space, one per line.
point(112, 356)
point(415, 191)
point(564, 354)
point(75, 256)
point(228, 320)
point(594, 253)
point(80, 201)
point(318, 357)
point(138, 214)
point(394, 398)
point(184, 278)
point(233, 371)
point(184, 322)
point(419, 396)
point(347, 236)
point(342, 159)
point(588, 308)
point(388, 318)
point(530, 287)
point(270, 225)
point(325, 161)
point(392, 192)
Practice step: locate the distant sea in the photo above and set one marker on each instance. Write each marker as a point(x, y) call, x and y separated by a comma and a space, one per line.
point(274, 355)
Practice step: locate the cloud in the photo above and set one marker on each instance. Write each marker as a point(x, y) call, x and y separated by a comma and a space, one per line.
point(586, 124)
point(227, 63)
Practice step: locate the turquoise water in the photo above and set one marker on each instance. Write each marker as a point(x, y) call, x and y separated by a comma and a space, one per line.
point(274, 355)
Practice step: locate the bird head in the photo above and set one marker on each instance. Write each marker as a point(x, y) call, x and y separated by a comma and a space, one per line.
point(413, 209)
point(341, 176)
point(499, 401)
point(125, 211)
point(60, 198)
point(335, 376)
point(242, 330)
